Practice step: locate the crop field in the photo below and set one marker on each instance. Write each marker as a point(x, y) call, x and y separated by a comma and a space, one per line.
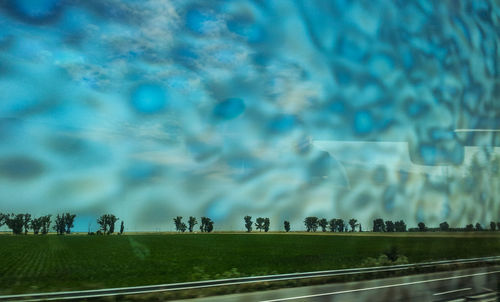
point(54, 263)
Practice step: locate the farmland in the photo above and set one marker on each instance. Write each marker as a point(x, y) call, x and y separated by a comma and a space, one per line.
point(54, 263)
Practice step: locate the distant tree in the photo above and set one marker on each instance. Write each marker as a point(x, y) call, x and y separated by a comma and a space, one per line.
point(46, 224)
point(68, 222)
point(378, 225)
point(112, 220)
point(389, 226)
point(203, 223)
point(207, 225)
point(479, 227)
point(122, 228)
point(26, 223)
point(192, 222)
point(340, 225)
point(36, 225)
point(311, 223)
point(493, 226)
point(60, 226)
point(422, 227)
point(15, 222)
point(2, 219)
point(498, 226)
point(107, 223)
point(469, 227)
point(267, 224)
point(101, 221)
point(183, 227)
point(323, 223)
point(248, 223)
point(332, 225)
point(287, 226)
point(400, 226)
point(337, 225)
point(178, 222)
point(259, 224)
point(360, 228)
point(352, 223)
point(444, 226)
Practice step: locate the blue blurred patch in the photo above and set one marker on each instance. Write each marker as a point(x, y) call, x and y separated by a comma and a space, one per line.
point(379, 175)
point(389, 197)
point(198, 21)
point(149, 98)
point(282, 124)
point(337, 107)
point(363, 122)
point(247, 29)
point(140, 172)
point(20, 167)
point(36, 11)
point(229, 109)
point(416, 109)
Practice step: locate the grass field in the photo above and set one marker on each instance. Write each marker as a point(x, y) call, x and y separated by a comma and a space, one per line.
point(54, 263)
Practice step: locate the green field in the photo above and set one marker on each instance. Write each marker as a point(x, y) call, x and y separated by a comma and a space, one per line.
point(53, 263)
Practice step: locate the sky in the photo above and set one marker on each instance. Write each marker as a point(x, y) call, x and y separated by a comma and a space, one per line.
point(282, 109)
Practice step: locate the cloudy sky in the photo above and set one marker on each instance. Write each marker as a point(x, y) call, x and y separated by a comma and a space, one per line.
point(281, 109)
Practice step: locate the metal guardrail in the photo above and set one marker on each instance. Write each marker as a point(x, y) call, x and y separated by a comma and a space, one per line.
point(232, 281)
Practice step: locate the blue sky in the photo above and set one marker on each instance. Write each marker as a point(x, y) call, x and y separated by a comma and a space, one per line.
point(281, 109)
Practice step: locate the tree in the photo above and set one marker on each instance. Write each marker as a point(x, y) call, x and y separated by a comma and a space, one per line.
point(2, 219)
point(102, 222)
point(60, 226)
point(26, 223)
point(46, 224)
point(15, 222)
point(444, 226)
point(267, 223)
point(498, 226)
point(68, 222)
point(479, 227)
point(469, 228)
point(340, 225)
point(493, 226)
point(36, 224)
point(207, 225)
point(311, 223)
point(203, 223)
point(332, 225)
point(336, 225)
point(389, 226)
point(323, 224)
point(422, 227)
point(400, 226)
point(183, 227)
point(352, 223)
point(192, 222)
point(178, 222)
point(248, 223)
point(107, 223)
point(287, 226)
point(378, 225)
point(259, 224)
point(122, 228)
point(112, 220)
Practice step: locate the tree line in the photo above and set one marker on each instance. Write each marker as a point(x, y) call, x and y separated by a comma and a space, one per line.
point(63, 223)
point(22, 223)
point(206, 226)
